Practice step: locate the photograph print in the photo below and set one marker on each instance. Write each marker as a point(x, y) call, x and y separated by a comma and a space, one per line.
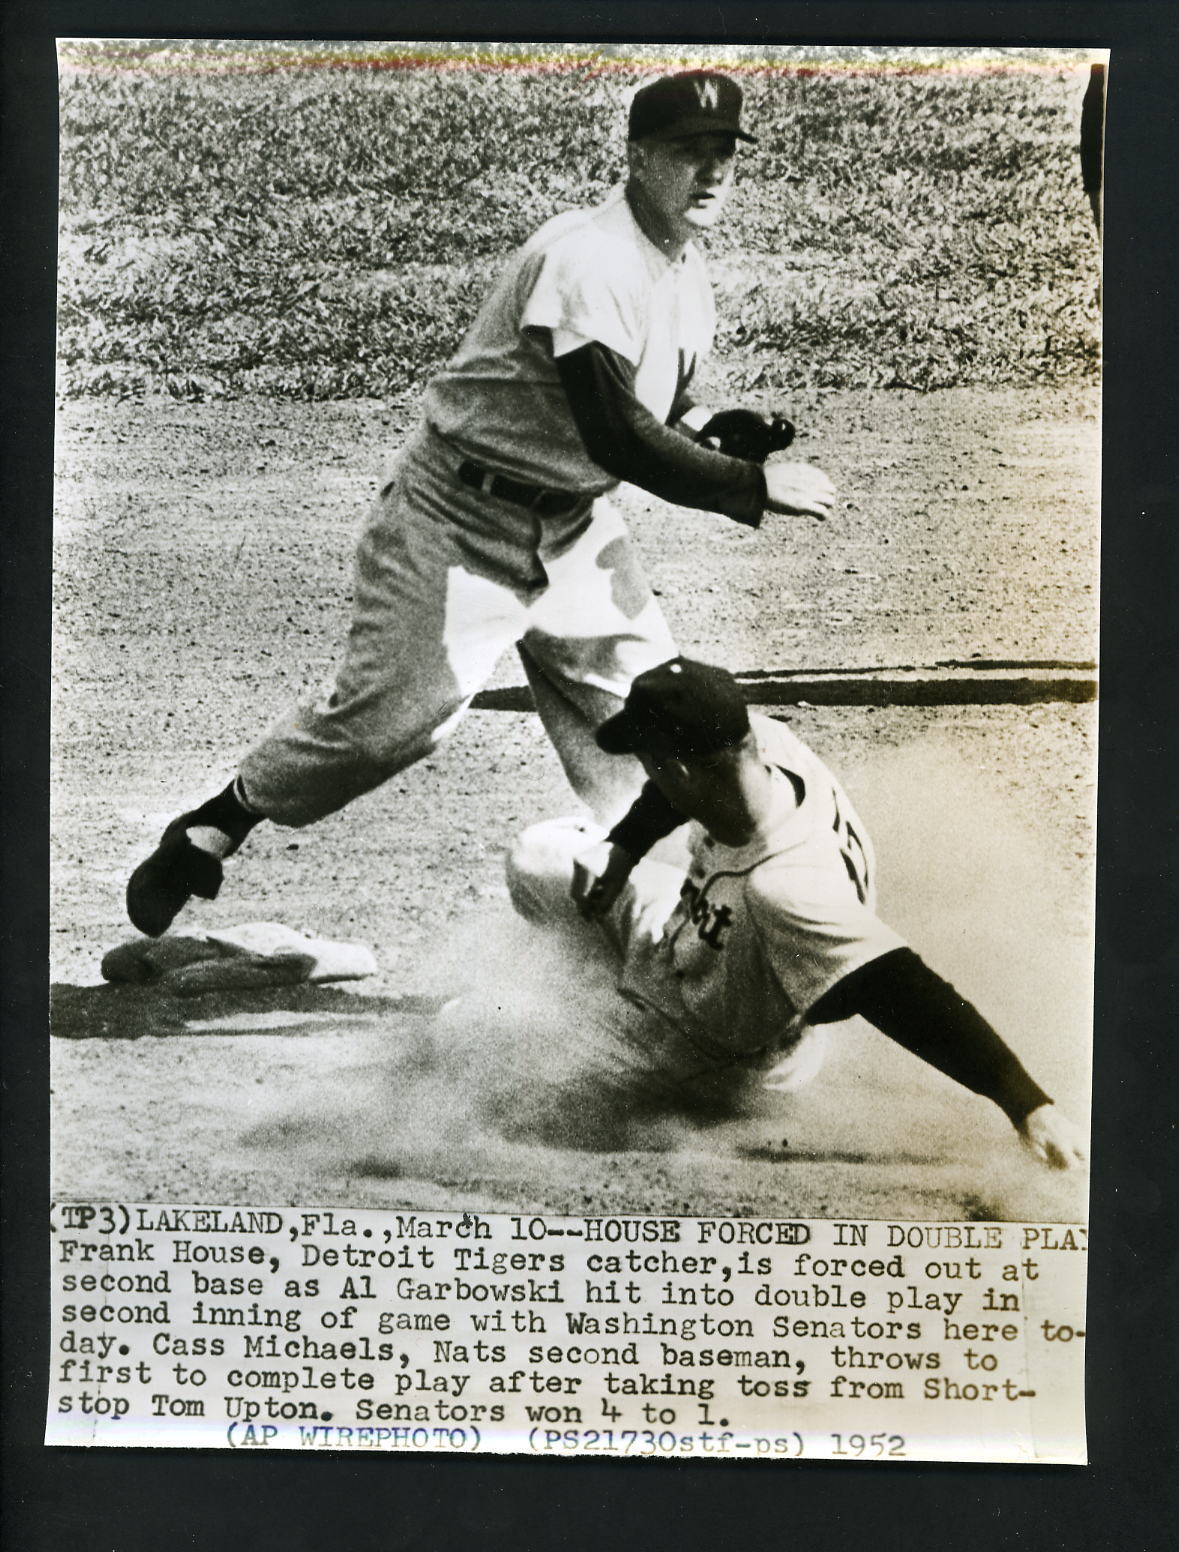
point(575, 616)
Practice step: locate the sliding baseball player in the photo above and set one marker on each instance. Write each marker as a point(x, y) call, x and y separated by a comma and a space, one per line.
point(730, 973)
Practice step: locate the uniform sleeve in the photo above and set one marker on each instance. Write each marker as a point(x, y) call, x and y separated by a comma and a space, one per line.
point(648, 819)
point(626, 440)
point(580, 295)
point(902, 996)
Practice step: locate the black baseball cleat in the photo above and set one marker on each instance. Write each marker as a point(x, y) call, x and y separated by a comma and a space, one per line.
point(160, 887)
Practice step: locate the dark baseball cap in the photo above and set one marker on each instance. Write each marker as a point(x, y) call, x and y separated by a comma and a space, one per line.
point(695, 102)
point(688, 709)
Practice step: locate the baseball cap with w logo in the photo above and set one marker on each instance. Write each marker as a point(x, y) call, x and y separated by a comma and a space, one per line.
point(695, 102)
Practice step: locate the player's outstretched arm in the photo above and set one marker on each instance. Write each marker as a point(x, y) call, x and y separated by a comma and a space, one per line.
point(912, 1005)
point(599, 877)
point(1049, 1135)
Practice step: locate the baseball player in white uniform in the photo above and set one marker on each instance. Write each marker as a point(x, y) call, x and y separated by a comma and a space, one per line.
point(496, 527)
point(730, 974)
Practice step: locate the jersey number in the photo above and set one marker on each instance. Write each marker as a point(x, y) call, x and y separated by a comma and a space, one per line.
point(855, 857)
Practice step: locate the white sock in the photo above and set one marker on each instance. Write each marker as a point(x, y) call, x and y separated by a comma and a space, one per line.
point(239, 793)
point(207, 838)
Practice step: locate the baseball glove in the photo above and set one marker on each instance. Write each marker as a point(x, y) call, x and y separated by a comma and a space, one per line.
point(746, 434)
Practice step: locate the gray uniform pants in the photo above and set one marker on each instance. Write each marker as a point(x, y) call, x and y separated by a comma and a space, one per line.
point(446, 579)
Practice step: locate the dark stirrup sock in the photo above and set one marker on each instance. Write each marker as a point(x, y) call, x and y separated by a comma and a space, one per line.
point(224, 814)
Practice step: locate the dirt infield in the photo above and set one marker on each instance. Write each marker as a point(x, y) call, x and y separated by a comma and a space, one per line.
point(202, 577)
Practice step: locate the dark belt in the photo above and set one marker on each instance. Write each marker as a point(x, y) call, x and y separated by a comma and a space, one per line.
point(547, 503)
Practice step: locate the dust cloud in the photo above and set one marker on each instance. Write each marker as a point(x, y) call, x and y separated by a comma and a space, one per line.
point(518, 1057)
point(518, 1062)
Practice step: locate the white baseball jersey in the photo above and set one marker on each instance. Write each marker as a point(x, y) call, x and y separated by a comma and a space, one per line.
point(762, 931)
point(586, 275)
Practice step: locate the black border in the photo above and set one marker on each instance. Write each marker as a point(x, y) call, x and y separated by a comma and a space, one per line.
point(124, 1500)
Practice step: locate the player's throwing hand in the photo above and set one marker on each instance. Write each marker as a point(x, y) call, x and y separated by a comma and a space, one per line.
point(1049, 1135)
point(799, 489)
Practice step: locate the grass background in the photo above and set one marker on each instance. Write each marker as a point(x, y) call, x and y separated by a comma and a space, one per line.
point(242, 220)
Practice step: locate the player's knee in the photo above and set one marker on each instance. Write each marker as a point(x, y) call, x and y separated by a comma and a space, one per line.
point(390, 746)
point(522, 868)
point(539, 865)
